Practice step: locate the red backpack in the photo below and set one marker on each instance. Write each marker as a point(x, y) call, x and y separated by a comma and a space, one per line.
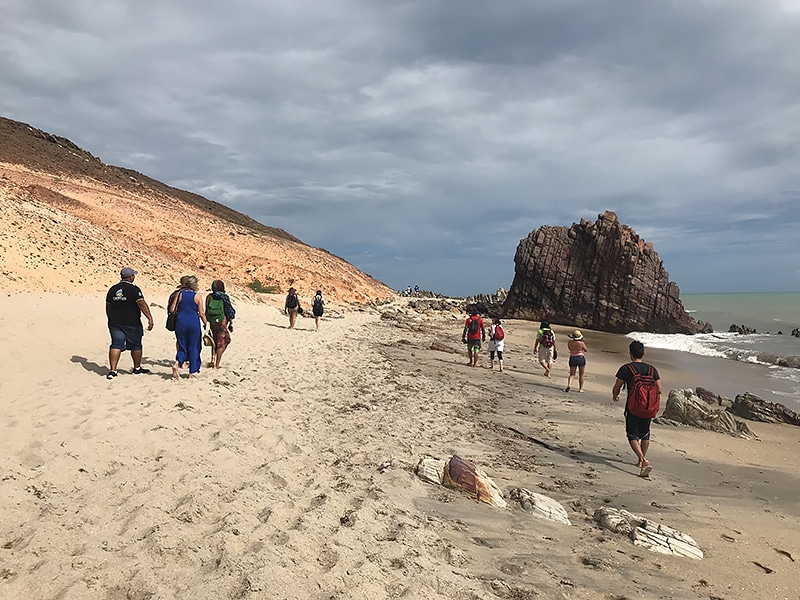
point(499, 334)
point(644, 399)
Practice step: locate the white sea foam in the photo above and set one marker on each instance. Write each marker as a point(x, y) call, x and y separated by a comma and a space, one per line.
point(701, 343)
point(744, 348)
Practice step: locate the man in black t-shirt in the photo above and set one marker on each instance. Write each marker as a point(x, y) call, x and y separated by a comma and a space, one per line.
point(636, 428)
point(124, 307)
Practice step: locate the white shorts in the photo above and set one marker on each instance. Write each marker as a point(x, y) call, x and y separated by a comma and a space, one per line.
point(545, 354)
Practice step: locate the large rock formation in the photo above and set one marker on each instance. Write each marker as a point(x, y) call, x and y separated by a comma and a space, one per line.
point(596, 275)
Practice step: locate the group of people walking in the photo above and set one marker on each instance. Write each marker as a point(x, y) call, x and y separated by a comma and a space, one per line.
point(544, 347)
point(293, 308)
point(641, 380)
point(188, 312)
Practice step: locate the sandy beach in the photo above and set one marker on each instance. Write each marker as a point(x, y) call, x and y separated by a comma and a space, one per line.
point(289, 473)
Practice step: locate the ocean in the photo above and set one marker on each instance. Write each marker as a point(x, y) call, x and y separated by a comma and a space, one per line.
point(760, 355)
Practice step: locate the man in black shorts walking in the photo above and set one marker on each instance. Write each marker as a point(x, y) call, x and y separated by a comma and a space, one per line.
point(124, 307)
point(636, 428)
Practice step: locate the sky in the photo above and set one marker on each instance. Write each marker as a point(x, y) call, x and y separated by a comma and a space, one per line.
point(421, 140)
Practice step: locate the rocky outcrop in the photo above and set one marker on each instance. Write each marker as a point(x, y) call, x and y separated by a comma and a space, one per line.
point(599, 275)
point(684, 407)
point(648, 534)
point(710, 397)
point(460, 474)
point(487, 304)
point(749, 406)
point(539, 505)
point(741, 329)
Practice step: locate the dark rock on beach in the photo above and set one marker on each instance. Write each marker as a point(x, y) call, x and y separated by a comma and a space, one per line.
point(599, 275)
point(741, 329)
point(684, 407)
point(749, 406)
point(710, 397)
point(487, 304)
point(704, 327)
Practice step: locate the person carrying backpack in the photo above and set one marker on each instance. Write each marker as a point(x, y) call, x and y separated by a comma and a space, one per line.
point(642, 405)
point(496, 343)
point(292, 306)
point(317, 308)
point(220, 315)
point(474, 334)
point(545, 347)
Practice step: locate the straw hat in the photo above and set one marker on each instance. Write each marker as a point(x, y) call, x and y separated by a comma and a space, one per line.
point(576, 335)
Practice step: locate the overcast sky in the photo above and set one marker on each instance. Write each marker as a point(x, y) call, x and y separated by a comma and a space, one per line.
point(421, 140)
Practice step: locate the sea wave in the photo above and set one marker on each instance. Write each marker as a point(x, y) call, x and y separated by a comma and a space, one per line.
point(744, 348)
point(700, 343)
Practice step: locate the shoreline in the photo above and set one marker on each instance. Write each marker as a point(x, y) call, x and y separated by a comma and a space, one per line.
point(266, 478)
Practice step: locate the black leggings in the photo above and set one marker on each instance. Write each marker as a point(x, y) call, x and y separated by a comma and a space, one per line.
point(499, 354)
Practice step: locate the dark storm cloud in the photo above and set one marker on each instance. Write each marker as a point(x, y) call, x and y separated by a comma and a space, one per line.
point(421, 140)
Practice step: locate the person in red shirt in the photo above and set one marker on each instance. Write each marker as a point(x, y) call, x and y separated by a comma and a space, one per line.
point(474, 334)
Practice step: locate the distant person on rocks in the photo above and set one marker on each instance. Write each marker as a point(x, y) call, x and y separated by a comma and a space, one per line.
point(474, 334)
point(292, 306)
point(497, 338)
point(577, 361)
point(188, 332)
point(220, 315)
point(644, 391)
point(125, 304)
point(317, 308)
point(545, 347)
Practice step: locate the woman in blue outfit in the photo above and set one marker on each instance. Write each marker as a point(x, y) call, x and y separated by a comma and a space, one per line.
point(188, 332)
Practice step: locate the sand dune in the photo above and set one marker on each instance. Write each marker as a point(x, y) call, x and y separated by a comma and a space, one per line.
point(61, 233)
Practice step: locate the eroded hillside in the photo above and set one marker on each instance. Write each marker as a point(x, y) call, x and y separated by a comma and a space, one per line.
point(71, 221)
